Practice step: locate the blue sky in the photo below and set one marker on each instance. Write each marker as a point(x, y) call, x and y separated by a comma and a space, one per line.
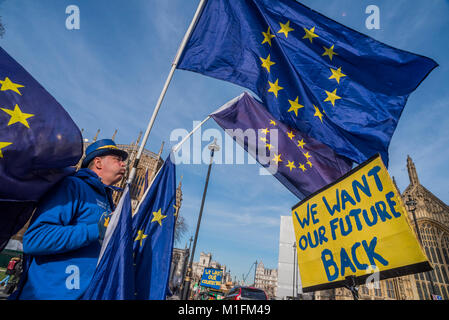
point(109, 73)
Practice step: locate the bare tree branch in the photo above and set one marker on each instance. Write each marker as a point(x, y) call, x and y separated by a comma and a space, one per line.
point(2, 28)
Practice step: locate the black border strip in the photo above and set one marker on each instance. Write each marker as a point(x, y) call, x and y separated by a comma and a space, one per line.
point(387, 274)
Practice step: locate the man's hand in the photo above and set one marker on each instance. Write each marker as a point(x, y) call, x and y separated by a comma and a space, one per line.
point(101, 230)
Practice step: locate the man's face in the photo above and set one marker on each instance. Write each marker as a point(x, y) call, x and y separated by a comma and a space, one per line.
point(110, 168)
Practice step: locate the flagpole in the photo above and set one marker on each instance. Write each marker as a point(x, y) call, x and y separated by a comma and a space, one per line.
point(164, 90)
point(186, 285)
point(176, 147)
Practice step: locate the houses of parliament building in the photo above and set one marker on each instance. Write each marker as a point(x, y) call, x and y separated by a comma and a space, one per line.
point(431, 216)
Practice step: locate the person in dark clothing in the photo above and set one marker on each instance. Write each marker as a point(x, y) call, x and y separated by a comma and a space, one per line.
point(63, 241)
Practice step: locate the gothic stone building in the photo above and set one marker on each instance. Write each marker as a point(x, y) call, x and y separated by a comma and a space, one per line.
point(266, 279)
point(432, 219)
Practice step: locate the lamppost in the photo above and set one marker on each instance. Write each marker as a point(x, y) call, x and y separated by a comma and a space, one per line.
point(184, 267)
point(186, 287)
point(294, 269)
point(411, 205)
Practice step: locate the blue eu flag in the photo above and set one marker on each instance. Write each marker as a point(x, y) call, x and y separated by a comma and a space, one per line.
point(153, 235)
point(330, 82)
point(302, 164)
point(38, 142)
point(114, 276)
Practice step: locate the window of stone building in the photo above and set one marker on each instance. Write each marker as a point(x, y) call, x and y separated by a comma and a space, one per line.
point(378, 292)
point(443, 271)
point(438, 272)
point(420, 294)
point(446, 255)
point(390, 289)
point(430, 289)
point(437, 290)
point(440, 259)
point(433, 275)
point(444, 292)
point(434, 259)
point(426, 248)
point(425, 292)
point(364, 289)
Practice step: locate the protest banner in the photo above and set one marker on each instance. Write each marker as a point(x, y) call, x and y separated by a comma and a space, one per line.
point(211, 278)
point(355, 226)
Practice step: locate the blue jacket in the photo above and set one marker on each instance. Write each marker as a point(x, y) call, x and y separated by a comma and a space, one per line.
point(62, 240)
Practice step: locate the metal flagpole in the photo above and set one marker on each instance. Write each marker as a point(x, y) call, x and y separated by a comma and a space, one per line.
point(186, 286)
point(164, 90)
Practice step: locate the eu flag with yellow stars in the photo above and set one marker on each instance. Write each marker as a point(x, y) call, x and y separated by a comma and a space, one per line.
point(153, 235)
point(332, 83)
point(302, 164)
point(114, 275)
point(38, 143)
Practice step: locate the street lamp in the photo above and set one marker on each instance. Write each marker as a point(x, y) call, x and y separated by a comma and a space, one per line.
point(186, 287)
point(294, 269)
point(411, 205)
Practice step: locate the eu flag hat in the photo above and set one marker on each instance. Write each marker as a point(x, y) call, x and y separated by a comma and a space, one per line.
point(102, 148)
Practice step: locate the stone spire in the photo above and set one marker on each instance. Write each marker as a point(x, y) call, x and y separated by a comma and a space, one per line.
point(412, 174)
point(138, 138)
point(113, 136)
point(96, 136)
point(396, 186)
point(160, 150)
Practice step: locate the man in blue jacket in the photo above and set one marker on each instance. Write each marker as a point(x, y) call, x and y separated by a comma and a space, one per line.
point(63, 240)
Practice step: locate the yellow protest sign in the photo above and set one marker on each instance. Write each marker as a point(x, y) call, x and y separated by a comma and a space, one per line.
point(354, 226)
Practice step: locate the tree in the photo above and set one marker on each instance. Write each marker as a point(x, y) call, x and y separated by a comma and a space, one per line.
point(181, 228)
point(2, 28)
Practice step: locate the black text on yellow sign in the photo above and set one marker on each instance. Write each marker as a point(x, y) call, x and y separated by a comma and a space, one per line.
point(356, 224)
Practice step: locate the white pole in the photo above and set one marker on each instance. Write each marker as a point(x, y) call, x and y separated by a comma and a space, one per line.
point(164, 90)
point(176, 147)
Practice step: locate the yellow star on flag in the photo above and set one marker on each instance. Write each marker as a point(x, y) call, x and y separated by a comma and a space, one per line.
point(18, 116)
point(9, 85)
point(267, 36)
point(265, 131)
point(158, 217)
point(277, 158)
point(290, 135)
point(263, 139)
point(291, 165)
point(310, 34)
point(140, 236)
point(267, 63)
point(336, 74)
point(301, 143)
point(309, 163)
point(269, 146)
point(3, 145)
point(106, 221)
point(294, 106)
point(285, 28)
point(275, 87)
point(301, 166)
point(318, 113)
point(332, 96)
point(329, 52)
point(273, 122)
point(307, 155)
